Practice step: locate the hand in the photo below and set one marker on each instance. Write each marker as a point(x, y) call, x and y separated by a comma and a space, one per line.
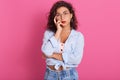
point(58, 24)
point(57, 56)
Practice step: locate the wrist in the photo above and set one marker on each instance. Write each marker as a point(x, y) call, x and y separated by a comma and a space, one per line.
point(59, 31)
point(57, 34)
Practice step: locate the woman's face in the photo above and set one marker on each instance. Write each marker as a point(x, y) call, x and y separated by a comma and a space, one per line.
point(63, 15)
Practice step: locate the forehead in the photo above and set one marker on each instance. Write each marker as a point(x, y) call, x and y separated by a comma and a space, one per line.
point(62, 9)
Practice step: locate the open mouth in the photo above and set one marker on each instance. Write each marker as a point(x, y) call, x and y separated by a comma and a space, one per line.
point(63, 22)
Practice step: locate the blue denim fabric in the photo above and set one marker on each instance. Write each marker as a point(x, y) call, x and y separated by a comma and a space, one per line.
point(68, 74)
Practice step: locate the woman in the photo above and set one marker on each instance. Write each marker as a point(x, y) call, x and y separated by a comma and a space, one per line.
point(62, 44)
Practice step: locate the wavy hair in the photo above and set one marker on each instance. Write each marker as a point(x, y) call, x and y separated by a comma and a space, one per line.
point(51, 25)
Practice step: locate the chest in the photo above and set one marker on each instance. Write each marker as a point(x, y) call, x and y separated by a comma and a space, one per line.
point(64, 37)
point(69, 43)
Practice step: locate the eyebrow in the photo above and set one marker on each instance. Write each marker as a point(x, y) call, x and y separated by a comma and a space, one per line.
point(64, 11)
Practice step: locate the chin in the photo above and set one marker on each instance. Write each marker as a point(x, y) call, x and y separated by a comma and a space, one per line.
point(63, 25)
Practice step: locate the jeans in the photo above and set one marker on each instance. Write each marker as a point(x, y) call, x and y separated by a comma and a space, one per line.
point(68, 74)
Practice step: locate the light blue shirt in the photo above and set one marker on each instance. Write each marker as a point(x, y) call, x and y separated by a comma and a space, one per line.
point(72, 52)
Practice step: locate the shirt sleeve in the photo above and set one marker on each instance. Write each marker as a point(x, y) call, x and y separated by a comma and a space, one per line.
point(49, 43)
point(75, 56)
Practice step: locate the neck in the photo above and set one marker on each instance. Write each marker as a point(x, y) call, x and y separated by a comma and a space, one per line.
point(66, 28)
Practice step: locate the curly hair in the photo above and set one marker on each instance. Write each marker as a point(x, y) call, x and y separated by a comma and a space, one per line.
point(51, 25)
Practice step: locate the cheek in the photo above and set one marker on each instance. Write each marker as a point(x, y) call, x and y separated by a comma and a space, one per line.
point(68, 19)
point(58, 18)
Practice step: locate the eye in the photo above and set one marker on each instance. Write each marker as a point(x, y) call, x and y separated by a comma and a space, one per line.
point(65, 13)
point(57, 14)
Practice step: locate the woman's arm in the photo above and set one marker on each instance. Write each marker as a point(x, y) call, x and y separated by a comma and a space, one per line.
point(57, 56)
point(50, 43)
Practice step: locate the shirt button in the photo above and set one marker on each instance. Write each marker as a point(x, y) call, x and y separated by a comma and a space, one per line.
point(61, 44)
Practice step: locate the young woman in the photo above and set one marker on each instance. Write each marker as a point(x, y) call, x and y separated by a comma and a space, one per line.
point(62, 44)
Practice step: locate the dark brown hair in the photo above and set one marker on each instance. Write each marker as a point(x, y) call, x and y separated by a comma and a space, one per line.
point(51, 25)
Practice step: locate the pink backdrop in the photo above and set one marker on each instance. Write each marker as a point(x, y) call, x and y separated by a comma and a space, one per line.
point(22, 23)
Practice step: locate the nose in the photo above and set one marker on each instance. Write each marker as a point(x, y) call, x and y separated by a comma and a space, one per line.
point(62, 17)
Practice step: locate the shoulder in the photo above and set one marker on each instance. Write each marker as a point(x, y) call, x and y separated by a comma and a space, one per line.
point(48, 33)
point(77, 33)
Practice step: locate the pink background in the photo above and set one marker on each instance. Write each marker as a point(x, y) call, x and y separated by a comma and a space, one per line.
point(22, 23)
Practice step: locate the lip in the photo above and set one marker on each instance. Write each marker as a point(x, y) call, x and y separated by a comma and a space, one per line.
point(63, 22)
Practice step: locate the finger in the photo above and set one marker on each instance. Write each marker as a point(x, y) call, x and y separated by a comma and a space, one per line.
point(55, 20)
point(58, 23)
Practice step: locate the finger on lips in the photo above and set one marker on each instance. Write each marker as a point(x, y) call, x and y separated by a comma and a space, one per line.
point(58, 22)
